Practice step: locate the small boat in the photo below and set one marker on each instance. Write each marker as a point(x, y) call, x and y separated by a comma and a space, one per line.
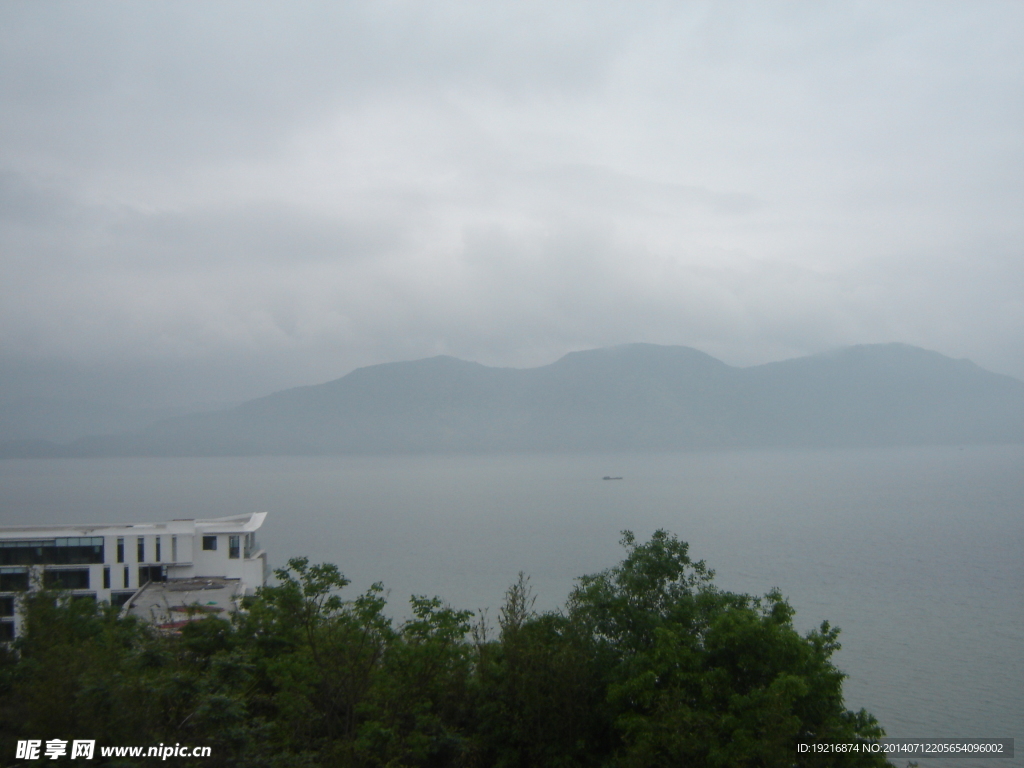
point(609, 477)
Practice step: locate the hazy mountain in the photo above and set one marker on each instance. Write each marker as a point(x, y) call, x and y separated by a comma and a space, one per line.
point(63, 420)
point(632, 397)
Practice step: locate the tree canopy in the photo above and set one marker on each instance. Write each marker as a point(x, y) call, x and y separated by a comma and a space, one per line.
point(648, 664)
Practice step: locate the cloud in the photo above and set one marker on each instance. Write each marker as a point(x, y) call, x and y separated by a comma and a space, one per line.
point(291, 190)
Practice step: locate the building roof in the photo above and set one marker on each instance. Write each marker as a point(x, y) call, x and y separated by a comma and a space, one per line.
point(231, 524)
point(172, 604)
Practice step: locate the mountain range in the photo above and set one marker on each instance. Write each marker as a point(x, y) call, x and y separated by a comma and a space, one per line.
point(630, 397)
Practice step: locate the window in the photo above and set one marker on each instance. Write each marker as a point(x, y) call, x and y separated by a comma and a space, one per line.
point(127, 583)
point(210, 543)
point(142, 549)
point(6, 606)
point(120, 550)
point(6, 631)
point(174, 549)
point(233, 547)
point(148, 573)
point(158, 549)
point(77, 578)
point(106, 578)
point(117, 599)
point(64, 551)
point(22, 552)
point(13, 579)
point(75, 551)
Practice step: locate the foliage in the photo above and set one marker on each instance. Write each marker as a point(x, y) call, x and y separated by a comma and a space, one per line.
point(648, 665)
point(539, 689)
point(703, 677)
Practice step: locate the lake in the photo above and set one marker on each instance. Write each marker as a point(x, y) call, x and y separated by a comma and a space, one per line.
point(917, 554)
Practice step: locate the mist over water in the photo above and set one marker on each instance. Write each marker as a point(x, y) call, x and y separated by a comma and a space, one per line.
point(917, 554)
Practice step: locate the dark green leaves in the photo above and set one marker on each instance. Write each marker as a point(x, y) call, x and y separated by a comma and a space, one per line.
point(648, 665)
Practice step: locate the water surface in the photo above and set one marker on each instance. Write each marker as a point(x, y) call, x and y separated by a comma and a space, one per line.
point(917, 554)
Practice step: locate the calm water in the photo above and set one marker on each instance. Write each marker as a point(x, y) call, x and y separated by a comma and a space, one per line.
point(917, 554)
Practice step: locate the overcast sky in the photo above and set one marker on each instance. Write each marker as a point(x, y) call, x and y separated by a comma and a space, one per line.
point(214, 200)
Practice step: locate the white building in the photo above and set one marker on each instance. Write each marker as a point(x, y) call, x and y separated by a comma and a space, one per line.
point(112, 562)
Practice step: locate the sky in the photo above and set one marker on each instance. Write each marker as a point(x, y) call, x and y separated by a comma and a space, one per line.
point(206, 202)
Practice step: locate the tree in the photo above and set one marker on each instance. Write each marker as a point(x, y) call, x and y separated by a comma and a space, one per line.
point(339, 684)
point(418, 709)
point(80, 668)
point(539, 689)
point(648, 665)
point(316, 656)
point(702, 677)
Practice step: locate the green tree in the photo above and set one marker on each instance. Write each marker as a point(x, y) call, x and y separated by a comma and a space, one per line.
point(418, 708)
point(539, 695)
point(316, 656)
point(80, 668)
point(701, 677)
point(648, 665)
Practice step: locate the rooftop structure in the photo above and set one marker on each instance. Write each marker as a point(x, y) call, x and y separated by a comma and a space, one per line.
point(114, 562)
point(172, 604)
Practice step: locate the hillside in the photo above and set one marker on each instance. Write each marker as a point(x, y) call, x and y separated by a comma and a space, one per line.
point(631, 397)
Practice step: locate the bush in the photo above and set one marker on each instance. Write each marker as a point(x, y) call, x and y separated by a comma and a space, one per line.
point(649, 664)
